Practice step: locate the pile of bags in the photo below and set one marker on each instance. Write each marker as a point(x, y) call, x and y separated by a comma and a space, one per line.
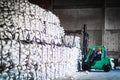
point(42, 62)
point(33, 45)
point(23, 19)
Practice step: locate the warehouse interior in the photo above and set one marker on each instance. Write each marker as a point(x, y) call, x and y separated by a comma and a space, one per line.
point(44, 39)
point(101, 18)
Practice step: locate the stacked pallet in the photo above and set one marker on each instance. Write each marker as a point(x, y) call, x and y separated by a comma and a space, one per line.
point(32, 46)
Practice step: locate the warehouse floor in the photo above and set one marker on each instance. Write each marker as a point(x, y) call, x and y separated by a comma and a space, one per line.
point(94, 75)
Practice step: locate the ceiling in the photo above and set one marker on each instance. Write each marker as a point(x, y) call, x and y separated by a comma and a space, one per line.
point(63, 4)
point(85, 3)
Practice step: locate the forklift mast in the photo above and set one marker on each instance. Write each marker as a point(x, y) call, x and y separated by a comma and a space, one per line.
point(85, 42)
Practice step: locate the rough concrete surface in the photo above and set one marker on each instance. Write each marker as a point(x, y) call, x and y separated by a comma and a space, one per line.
point(94, 75)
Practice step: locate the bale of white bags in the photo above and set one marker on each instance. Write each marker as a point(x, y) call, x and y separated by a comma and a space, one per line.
point(32, 45)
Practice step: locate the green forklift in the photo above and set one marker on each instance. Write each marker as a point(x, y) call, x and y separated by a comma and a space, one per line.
point(94, 60)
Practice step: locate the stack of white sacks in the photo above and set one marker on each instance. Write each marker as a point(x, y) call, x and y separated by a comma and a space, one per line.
point(29, 38)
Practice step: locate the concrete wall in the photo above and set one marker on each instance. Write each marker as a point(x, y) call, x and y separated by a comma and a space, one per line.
point(95, 37)
point(112, 18)
point(112, 31)
point(73, 19)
